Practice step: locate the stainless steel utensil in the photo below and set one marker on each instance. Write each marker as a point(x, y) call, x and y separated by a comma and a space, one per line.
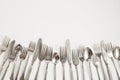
point(48, 58)
point(55, 60)
point(69, 57)
point(33, 58)
point(63, 57)
point(6, 54)
point(24, 62)
point(75, 58)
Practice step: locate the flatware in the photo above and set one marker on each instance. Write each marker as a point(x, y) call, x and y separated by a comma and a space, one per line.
point(63, 57)
point(24, 62)
point(48, 59)
point(32, 58)
point(55, 60)
point(75, 59)
point(69, 57)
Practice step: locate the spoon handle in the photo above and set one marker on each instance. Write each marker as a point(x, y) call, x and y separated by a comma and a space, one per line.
point(54, 71)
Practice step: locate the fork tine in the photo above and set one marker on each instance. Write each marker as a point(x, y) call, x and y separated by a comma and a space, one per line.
point(63, 55)
point(75, 57)
point(43, 52)
point(32, 46)
point(49, 54)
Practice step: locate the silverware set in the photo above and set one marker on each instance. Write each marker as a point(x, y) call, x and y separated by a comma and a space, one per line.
point(17, 61)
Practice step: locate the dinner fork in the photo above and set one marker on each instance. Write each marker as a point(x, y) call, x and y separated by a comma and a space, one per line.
point(48, 59)
point(6, 54)
point(63, 57)
point(81, 57)
point(75, 59)
point(97, 61)
point(11, 58)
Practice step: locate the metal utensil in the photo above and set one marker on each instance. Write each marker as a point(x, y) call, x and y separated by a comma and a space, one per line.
point(97, 61)
point(75, 59)
point(4, 44)
point(10, 59)
point(109, 51)
point(87, 59)
point(32, 58)
point(106, 60)
point(55, 60)
point(24, 62)
point(7, 54)
point(48, 58)
point(63, 57)
point(69, 57)
point(81, 57)
point(16, 54)
point(41, 57)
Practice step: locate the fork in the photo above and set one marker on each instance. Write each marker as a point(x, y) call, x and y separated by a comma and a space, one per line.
point(48, 59)
point(5, 66)
point(97, 61)
point(6, 54)
point(32, 58)
point(75, 59)
point(63, 57)
point(23, 65)
point(109, 50)
point(106, 59)
point(81, 51)
point(69, 57)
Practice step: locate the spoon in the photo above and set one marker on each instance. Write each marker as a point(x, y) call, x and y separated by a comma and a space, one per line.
point(28, 51)
point(55, 60)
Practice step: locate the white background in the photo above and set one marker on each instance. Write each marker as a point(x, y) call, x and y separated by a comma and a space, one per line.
point(82, 21)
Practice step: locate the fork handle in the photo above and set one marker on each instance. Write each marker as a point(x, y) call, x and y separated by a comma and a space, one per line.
point(63, 68)
point(77, 72)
